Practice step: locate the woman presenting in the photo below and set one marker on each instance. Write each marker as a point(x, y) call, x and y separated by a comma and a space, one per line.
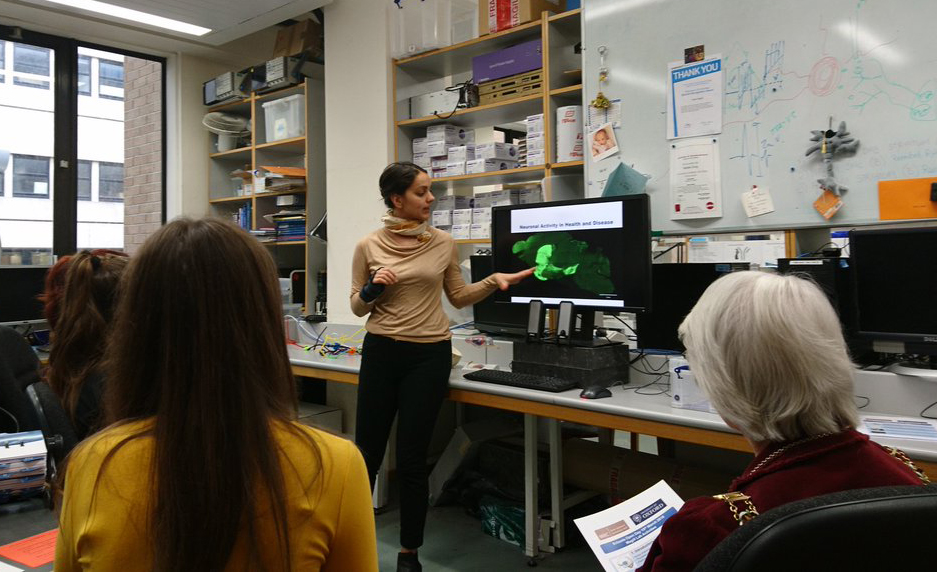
point(398, 275)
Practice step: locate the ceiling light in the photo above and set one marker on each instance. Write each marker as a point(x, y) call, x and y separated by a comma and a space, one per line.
point(134, 16)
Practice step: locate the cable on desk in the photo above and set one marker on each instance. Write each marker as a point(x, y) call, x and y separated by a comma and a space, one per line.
point(301, 324)
point(867, 401)
point(923, 411)
point(334, 346)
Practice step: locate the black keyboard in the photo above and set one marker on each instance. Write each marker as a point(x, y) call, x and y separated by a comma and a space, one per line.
point(525, 380)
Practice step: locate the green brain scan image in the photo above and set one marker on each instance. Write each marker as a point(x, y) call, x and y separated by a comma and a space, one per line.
point(559, 256)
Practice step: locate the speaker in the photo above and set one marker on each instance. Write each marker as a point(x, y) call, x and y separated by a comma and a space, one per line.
point(565, 321)
point(535, 320)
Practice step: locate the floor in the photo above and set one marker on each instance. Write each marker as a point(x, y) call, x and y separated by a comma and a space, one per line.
point(454, 542)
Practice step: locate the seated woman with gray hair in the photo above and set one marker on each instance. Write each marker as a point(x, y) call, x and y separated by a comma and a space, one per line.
point(769, 352)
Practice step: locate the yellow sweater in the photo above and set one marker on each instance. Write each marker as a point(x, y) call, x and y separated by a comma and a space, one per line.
point(104, 526)
point(411, 310)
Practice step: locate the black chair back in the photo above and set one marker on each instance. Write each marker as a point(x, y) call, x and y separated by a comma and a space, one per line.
point(53, 420)
point(884, 528)
point(19, 367)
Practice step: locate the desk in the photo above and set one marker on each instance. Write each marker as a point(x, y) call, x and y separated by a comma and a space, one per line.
point(625, 411)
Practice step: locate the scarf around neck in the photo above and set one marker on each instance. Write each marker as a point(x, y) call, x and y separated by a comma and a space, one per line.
point(406, 227)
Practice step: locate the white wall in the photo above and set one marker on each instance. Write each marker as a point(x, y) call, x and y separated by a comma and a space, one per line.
point(359, 140)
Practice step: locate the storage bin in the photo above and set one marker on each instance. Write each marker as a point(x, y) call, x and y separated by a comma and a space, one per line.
point(284, 118)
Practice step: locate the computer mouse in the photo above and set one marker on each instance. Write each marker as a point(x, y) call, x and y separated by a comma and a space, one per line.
point(595, 392)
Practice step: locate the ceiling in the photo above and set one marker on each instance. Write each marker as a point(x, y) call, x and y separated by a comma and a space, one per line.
point(228, 19)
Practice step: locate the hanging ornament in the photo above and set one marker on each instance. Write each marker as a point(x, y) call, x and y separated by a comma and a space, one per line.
point(828, 143)
point(600, 101)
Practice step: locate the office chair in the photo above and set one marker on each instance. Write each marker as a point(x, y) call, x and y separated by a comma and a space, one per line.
point(883, 528)
point(19, 367)
point(56, 427)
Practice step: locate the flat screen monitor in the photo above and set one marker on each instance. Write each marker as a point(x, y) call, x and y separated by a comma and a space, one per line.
point(20, 287)
point(895, 281)
point(491, 316)
point(595, 253)
point(677, 288)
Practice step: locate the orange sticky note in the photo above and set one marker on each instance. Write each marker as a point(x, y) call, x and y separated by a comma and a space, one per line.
point(828, 204)
point(34, 551)
point(906, 199)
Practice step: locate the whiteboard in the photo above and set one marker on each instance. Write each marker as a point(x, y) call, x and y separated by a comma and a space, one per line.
point(789, 65)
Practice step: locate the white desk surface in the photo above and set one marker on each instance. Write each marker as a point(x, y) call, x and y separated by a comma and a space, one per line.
point(623, 402)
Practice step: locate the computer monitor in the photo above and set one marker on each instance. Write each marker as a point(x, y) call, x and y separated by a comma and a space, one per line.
point(494, 317)
point(595, 253)
point(895, 281)
point(20, 287)
point(677, 288)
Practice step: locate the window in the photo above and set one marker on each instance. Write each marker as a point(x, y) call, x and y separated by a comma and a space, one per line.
point(84, 180)
point(84, 75)
point(32, 60)
point(3, 63)
point(31, 176)
point(111, 182)
point(111, 79)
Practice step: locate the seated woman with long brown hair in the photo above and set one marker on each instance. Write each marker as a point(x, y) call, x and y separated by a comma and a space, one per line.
point(204, 467)
point(79, 300)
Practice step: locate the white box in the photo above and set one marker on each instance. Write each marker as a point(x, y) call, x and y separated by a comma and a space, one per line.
point(482, 200)
point(452, 202)
point(422, 160)
point(437, 173)
point(569, 142)
point(436, 148)
point(321, 417)
point(434, 103)
point(441, 218)
point(535, 158)
point(507, 151)
point(534, 124)
point(461, 216)
point(473, 166)
point(535, 142)
point(504, 198)
point(461, 231)
point(445, 228)
point(439, 162)
point(462, 152)
point(481, 215)
point(499, 165)
point(284, 118)
point(455, 168)
point(419, 145)
point(481, 230)
point(450, 134)
point(528, 196)
point(686, 393)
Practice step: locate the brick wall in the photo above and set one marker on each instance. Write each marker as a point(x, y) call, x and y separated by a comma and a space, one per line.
point(143, 167)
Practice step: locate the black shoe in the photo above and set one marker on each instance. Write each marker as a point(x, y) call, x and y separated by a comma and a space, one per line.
point(408, 562)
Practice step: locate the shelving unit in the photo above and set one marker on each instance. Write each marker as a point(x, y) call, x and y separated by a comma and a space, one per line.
point(442, 68)
point(307, 151)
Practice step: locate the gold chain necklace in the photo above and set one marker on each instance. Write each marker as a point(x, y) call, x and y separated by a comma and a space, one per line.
point(781, 450)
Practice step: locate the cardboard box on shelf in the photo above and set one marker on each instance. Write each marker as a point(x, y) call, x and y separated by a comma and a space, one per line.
point(436, 148)
point(461, 216)
point(536, 157)
point(300, 37)
point(518, 59)
point(455, 168)
point(481, 215)
point(497, 15)
point(506, 151)
point(419, 145)
point(441, 218)
point(535, 142)
point(439, 162)
point(462, 152)
point(534, 124)
point(480, 231)
point(530, 195)
point(437, 173)
point(474, 166)
point(452, 202)
point(461, 231)
point(422, 160)
point(450, 134)
point(505, 198)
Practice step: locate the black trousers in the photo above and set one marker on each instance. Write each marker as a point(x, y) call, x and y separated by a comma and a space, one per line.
point(409, 380)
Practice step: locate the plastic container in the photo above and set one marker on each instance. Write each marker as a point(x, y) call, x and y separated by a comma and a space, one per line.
point(419, 26)
point(284, 118)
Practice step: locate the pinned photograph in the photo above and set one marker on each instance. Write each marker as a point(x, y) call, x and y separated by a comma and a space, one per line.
point(602, 142)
